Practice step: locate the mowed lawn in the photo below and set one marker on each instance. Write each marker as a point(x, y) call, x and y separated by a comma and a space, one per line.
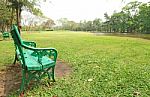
point(103, 66)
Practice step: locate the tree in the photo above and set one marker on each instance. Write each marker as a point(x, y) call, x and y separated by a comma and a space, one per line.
point(19, 5)
point(132, 10)
point(119, 22)
point(97, 23)
point(48, 24)
point(5, 16)
point(127, 20)
point(144, 18)
point(63, 22)
point(107, 23)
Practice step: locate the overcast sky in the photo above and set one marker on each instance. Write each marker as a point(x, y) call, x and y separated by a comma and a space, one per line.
point(82, 9)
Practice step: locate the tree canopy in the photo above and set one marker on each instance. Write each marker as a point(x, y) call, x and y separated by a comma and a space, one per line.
point(133, 18)
point(13, 8)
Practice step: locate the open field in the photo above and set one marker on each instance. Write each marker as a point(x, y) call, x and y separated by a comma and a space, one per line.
point(103, 66)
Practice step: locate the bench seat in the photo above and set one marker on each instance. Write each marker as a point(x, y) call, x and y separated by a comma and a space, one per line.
point(32, 63)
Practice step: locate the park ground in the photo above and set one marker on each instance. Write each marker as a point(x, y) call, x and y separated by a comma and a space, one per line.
point(102, 66)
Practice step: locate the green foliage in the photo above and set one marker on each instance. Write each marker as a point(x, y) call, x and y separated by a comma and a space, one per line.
point(30, 5)
point(5, 16)
point(144, 17)
point(133, 18)
point(102, 65)
point(66, 24)
point(19, 5)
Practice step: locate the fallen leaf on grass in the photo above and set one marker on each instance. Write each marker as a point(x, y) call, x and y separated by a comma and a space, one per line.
point(89, 80)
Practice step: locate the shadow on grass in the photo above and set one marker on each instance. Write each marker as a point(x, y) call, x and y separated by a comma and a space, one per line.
point(10, 77)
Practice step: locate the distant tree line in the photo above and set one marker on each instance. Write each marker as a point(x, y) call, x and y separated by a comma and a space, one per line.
point(35, 23)
point(65, 24)
point(133, 18)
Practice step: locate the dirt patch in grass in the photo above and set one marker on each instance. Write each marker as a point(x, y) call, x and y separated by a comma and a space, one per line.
point(62, 69)
point(10, 77)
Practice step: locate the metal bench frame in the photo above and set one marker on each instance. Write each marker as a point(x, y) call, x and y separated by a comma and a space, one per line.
point(35, 62)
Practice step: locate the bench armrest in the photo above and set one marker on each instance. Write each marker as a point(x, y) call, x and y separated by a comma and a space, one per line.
point(40, 52)
point(29, 43)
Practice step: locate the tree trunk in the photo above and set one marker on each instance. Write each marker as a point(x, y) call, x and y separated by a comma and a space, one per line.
point(12, 16)
point(18, 14)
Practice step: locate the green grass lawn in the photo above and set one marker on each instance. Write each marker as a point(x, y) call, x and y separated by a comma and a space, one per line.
point(103, 66)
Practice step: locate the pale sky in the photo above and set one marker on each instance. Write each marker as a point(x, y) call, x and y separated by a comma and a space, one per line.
point(77, 10)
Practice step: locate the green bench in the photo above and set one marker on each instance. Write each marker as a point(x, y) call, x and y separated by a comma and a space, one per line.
point(36, 63)
point(5, 35)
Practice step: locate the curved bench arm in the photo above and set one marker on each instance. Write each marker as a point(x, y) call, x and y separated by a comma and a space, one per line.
point(40, 52)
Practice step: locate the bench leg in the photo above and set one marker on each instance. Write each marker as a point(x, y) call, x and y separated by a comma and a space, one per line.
point(15, 59)
point(53, 74)
point(22, 87)
point(49, 75)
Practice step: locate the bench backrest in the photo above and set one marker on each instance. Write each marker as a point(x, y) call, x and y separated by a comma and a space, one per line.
point(18, 44)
